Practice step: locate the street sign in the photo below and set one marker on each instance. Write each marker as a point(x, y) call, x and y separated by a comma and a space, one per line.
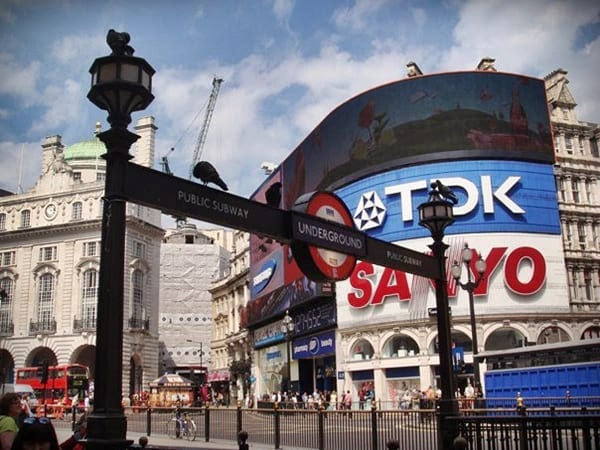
point(180, 197)
point(323, 252)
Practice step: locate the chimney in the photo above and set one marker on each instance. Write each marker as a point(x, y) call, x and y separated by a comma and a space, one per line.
point(487, 64)
point(413, 70)
point(144, 147)
point(51, 147)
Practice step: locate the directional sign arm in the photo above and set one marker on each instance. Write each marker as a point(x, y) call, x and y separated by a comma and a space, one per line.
point(178, 196)
point(389, 255)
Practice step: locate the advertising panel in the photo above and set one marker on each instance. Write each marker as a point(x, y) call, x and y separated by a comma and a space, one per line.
point(427, 119)
point(507, 211)
point(525, 274)
point(493, 196)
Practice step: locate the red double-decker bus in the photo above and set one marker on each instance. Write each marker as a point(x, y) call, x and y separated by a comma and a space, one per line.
point(65, 383)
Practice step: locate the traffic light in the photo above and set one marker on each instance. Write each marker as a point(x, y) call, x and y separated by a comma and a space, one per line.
point(45, 372)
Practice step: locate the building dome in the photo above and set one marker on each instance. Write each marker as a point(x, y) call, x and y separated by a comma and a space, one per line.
point(86, 150)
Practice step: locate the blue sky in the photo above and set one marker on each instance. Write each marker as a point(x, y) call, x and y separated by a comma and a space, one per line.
point(286, 65)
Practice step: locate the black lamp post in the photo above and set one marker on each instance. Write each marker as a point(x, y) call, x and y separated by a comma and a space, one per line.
point(287, 328)
point(467, 256)
point(121, 84)
point(435, 215)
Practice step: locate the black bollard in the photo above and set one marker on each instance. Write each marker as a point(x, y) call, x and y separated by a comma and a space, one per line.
point(460, 443)
point(242, 438)
point(392, 445)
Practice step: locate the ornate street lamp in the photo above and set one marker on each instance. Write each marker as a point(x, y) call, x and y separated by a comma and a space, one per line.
point(121, 84)
point(287, 328)
point(467, 257)
point(435, 215)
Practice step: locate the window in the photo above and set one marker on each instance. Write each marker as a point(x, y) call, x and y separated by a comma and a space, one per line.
point(7, 258)
point(138, 294)
point(2, 222)
point(561, 189)
point(575, 284)
point(587, 283)
point(6, 287)
point(581, 139)
point(25, 218)
point(77, 176)
point(569, 143)
point(90, 248)
point(76, 211)
point(139, 249)
point(48, 254)
point(575, 189)
point(581, 234)
point(588, 191)
point(89, 298)
point(569, 234)
point(45, 300)
point(100, 176)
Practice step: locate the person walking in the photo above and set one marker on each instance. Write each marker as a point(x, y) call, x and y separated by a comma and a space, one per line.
point(10, 409)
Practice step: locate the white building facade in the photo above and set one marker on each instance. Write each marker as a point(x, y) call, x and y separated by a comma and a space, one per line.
point(49, 265)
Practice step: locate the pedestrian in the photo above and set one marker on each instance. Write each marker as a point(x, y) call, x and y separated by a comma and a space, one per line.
point(80, 432)
point(10, 409)
point(37, 433)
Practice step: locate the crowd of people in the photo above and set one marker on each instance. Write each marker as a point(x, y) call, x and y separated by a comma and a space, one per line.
point(21, 429)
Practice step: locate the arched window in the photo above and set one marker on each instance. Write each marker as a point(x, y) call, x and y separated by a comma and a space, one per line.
point(45, 306)
point(399, 346)
point(89, 298)
point(25, 218)
point(76, 212)
point(6, 296)
point(362, 349)
point(138, 295)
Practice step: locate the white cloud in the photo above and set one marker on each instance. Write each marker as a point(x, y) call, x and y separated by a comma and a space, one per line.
point(13, 169)
point(62, 106)
point(283, 9)
point(358, 15)
point(75, 48)
point(18, 80)
point(533, 37)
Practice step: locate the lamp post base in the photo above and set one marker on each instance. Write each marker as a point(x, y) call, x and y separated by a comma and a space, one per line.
point(447, 430)
point(107, 432)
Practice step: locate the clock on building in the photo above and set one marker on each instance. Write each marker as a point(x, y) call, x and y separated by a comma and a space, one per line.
point(50, 211)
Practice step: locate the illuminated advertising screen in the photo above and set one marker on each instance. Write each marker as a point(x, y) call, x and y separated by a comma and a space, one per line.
point(380, 141)
point(507, 212)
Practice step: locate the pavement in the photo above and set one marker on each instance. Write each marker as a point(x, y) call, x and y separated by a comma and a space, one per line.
point(163, 441)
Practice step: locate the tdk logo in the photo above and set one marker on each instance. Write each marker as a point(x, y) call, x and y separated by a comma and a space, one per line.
point(370, 212)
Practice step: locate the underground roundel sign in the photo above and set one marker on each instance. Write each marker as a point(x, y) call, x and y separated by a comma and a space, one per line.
point(320, 264)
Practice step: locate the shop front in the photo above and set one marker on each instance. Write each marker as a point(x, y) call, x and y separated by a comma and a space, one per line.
point(316, 362)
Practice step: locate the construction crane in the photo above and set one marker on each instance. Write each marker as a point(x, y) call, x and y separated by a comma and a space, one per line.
point(216, 85)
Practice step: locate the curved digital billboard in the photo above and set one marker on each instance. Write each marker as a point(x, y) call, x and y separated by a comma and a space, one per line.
point(372, 150)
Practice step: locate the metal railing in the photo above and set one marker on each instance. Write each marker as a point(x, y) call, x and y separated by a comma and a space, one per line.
point(535, 429)
point(43, 327)
point(136, 324)
point(86, 324)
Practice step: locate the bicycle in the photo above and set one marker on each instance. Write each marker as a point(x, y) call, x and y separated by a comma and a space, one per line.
point(182, 428)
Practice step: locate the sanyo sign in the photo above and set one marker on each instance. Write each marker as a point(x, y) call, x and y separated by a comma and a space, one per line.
point(493, 196)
